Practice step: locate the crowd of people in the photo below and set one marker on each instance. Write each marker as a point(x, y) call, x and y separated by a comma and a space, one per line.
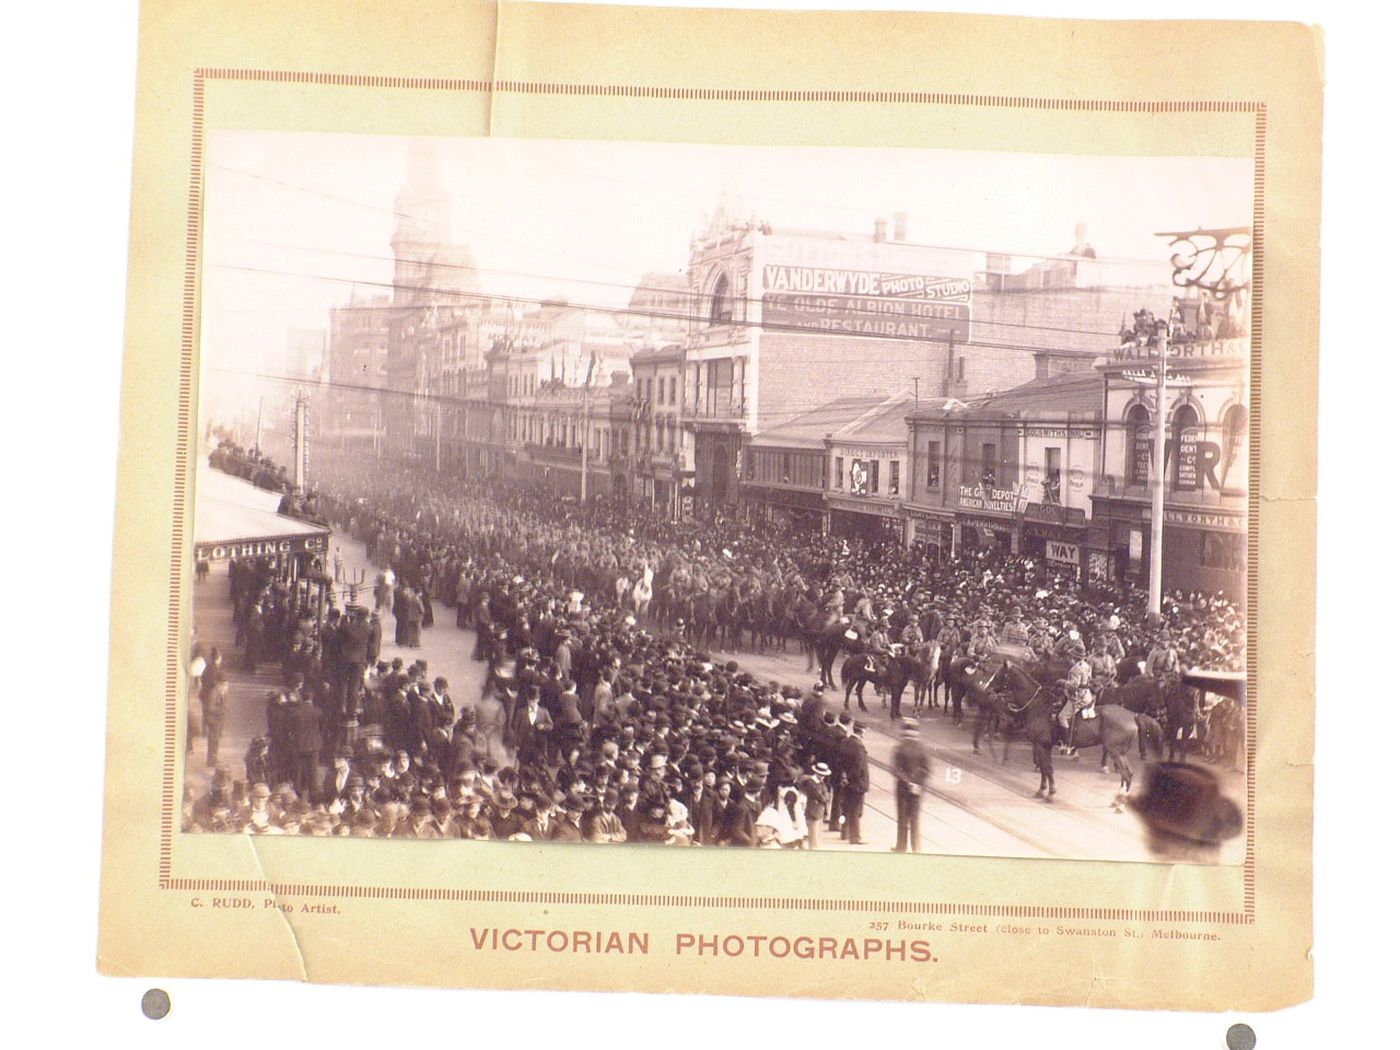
point(603, 719)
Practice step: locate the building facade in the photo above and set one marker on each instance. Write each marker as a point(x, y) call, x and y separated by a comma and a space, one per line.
point(1014, 473)
point(1204, 540)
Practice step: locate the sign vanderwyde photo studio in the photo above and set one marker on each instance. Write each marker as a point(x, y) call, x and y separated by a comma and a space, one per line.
point(820, 534)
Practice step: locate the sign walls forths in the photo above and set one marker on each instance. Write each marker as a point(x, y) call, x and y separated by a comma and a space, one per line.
point(867, 302)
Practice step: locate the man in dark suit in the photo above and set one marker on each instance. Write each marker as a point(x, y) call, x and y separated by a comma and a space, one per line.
point(838, 758)
point(354, 656)
point(304, 741)
point(568, 828)
point(857, 782)
point(911, 768)
point(530, 730)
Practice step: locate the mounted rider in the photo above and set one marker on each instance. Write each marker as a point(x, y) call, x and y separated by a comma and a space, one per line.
point(1069, 643)
point(1163, 664)
point(1113, 639)
point(835, 607)
point(1079, 696)
point(877, 647)
point(984, 642)
point(1015, 631)
point(950, 638)
point(1102, 665)
point(912, 637)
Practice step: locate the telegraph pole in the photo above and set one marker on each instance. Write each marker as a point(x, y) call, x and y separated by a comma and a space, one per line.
point(1159, 483)
point(583, 433)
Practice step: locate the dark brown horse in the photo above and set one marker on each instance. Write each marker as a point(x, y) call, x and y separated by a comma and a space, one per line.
point(923, 664)
point(1020, 702)
point(1117, 730)
point(889, 673)
point(831, 640)
point(1183, 714)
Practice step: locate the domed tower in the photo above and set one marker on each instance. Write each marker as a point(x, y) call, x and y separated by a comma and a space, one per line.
point(428, 266)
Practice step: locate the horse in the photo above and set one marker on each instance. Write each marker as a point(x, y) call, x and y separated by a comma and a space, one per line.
point(1139, 695)
point(833, 639)
point(1183, 712)
point(885, 672)
point(1117, 730)
point(1028, 705)
point(923, 661)
point(727, 617)
point(958, 675)
point(764, 626)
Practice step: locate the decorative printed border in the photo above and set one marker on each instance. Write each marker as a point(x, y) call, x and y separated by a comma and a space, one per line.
point(183, 468)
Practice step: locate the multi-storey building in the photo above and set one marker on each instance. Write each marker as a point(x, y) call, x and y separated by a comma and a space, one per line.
point(1207, 465)
point(786, 320)
point(357, 353)
point(1013, 471)
point(664, 448)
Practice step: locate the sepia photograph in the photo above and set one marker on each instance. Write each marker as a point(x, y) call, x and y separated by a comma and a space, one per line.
point(823, 499)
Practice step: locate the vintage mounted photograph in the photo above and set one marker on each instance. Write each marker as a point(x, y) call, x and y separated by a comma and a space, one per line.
point(806, 498)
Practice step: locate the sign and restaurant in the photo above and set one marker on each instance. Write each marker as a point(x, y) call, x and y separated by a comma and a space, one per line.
point(867, 302)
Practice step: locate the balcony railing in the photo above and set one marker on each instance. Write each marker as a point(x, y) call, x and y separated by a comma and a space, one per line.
point(726, 409)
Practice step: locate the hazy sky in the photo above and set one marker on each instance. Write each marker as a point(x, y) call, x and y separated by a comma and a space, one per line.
point(586, 220)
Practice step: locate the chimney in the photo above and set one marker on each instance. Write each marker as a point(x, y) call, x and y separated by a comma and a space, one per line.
point(1081, 236)
point(901, 225)
point(880, 231)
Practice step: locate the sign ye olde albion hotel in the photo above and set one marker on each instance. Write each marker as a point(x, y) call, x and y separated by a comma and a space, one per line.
point(866, 302)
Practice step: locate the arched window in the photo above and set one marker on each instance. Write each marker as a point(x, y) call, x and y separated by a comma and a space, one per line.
point(1234, 447)
point(1185, 439)
point(1139, 451)
point(721, 305)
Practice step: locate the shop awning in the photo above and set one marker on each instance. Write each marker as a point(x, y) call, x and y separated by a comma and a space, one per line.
point(234, 519)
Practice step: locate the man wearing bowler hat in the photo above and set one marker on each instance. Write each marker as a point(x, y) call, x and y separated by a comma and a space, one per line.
point(911, 768)
point(857, 782)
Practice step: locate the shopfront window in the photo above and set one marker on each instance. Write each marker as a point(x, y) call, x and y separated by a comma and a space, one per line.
point(1051, 482)
point(860, 478)
point(1223, 550)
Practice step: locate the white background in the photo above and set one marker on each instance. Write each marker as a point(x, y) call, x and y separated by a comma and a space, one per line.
point(67, 175)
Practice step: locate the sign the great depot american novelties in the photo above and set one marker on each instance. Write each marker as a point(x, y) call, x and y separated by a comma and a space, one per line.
point(867, 302)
